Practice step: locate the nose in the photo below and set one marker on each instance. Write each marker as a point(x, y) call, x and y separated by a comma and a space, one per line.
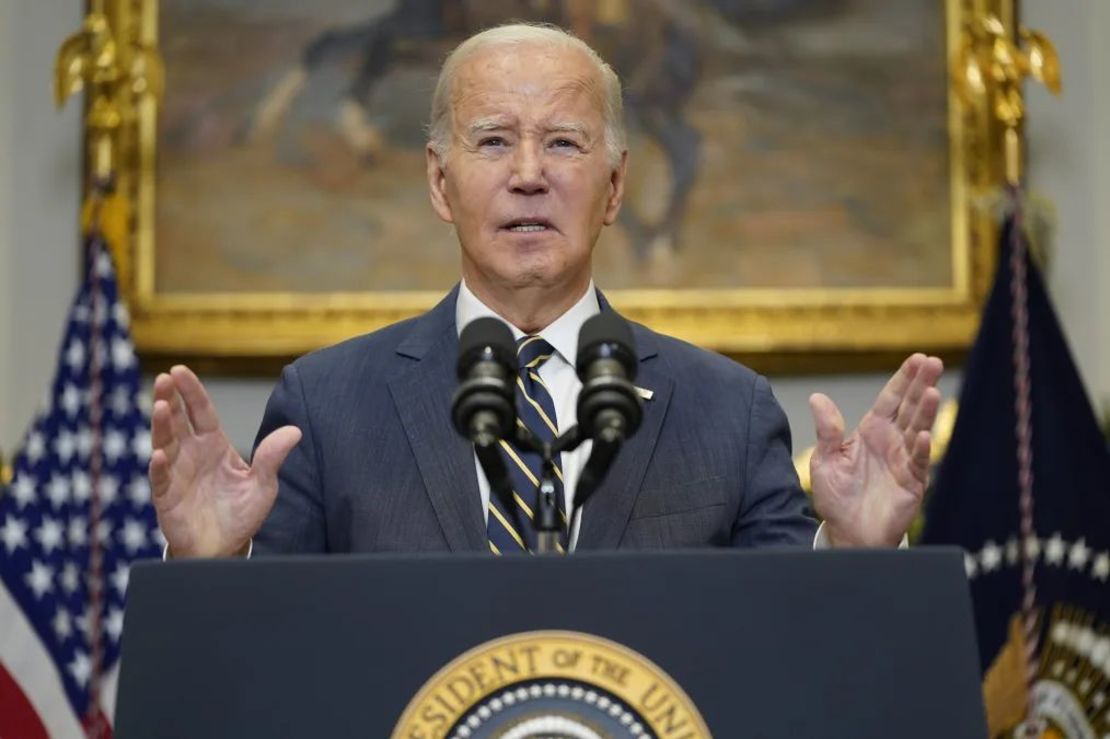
point(528, 176)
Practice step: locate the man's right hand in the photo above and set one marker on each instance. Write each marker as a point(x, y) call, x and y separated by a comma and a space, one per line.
point(209, 501)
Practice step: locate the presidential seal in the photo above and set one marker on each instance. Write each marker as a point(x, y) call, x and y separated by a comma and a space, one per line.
point(551, 685)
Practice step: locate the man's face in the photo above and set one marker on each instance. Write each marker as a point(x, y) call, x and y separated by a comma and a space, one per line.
point(527, 180)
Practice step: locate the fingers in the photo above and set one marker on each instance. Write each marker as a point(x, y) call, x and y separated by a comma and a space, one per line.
point(159, 472)
point(169, 427)
point(891, 396)
point(828, 421)
point(924, 416)
point(929, 370)
point(198, 406)
point(270, 454)
point(919, 457)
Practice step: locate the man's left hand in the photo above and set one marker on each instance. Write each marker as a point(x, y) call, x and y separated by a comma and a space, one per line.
point(868, 487)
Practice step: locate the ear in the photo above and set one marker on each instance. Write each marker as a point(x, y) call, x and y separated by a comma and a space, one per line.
point(616, 190)
point(437, 184)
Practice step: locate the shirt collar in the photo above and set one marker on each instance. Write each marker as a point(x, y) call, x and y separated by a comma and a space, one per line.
point(562, 333)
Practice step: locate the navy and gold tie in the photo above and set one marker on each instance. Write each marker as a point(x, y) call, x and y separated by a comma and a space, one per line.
point(511, 531)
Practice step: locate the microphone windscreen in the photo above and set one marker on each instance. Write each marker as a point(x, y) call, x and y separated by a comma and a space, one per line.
point(482, 334)
point(610, 336)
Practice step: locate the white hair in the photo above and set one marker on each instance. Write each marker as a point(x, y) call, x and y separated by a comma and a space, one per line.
point(516, 34)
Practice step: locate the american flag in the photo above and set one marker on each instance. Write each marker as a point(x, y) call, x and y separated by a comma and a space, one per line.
point(76, 515)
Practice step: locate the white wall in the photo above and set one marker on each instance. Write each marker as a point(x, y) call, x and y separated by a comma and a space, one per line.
point(1069, 161)
point(39, 197)
point(39, 174)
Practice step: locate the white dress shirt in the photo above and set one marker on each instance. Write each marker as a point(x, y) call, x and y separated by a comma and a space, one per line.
point(558, 376)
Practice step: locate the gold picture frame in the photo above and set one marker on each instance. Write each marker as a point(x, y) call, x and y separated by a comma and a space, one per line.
point(769, 328)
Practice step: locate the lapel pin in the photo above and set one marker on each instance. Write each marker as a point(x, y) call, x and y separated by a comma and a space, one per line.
point(645, 393)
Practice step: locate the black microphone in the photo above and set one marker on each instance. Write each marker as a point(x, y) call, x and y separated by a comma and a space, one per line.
point(608, 405)
point(483, 409)
point(609, 409)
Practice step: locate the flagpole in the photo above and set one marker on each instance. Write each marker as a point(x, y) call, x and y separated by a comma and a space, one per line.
point(115, 78)
point(995, 57)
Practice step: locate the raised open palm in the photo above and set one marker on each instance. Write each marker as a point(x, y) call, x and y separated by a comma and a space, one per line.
point(209, 501)
point(869, 485)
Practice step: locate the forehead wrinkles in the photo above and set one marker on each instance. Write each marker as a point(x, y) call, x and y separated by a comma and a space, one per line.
point(494, 83)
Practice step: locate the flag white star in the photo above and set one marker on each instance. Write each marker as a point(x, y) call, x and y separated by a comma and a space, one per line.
point(58, 490)
point(108, 489)
point(63, 626)
point(35, 447)
point(23, 490)
point(49, 534)
point(71, 400)
point(103, 266)
point(81, 485)
point(133, 535)
point(1054, 550)
point(115, 444)
point(123, 353)
point(80, 668)
point(140, 446)
point(1032, 548)
point(971, 566)
point(103, 531)
point(990, 557)
point(80, 313)
point(1101, 568)
point(14, 534)
point(70, 578)
point(120, 402)
point(84, 623)
point(78, 531)
point(139, 491)
point(84, 439)
point(121, 316)
point(75, 355)
point(113, 624)
point(1078, 556)
point(65, 444)
point(1012, 552)
point(40, 579)
point(120, 578)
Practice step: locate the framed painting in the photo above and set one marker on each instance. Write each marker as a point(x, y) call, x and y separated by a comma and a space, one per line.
point(800, 181)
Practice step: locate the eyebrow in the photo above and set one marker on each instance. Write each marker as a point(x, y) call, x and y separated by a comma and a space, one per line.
point(569, 127)
point(488, 124)
point(484, 125)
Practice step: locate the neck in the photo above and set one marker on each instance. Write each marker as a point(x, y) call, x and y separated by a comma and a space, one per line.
point(532, 308)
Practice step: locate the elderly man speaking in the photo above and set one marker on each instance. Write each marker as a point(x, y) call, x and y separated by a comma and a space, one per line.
point(356, 453)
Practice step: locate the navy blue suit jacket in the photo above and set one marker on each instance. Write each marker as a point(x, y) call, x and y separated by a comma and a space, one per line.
point(380, 467)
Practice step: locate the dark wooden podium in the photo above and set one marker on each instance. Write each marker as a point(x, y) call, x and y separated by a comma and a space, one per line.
point(764, 644)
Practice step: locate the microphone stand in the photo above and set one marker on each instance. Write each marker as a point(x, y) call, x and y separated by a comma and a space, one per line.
point(545, 515)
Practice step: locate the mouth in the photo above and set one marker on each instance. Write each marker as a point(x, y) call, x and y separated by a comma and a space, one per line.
point(528, 225)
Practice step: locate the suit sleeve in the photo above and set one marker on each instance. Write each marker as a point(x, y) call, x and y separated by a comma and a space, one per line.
point(774, 510)
point(297, 523)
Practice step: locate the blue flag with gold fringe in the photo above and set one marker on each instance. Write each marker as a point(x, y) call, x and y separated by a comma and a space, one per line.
point(1024, 489)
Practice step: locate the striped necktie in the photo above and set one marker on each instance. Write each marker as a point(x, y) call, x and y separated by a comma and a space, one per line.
point(511, 531)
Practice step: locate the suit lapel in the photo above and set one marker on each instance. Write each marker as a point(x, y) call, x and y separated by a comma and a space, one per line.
point(606, 515)
point(422, 393)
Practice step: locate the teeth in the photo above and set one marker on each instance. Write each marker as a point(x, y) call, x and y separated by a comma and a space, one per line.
point(528, 228)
